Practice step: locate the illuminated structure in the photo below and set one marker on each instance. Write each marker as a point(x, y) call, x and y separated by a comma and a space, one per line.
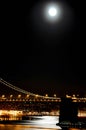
point(28, 101)
point(31, 96)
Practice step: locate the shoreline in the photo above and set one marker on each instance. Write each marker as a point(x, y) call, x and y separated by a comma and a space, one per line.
point(29, 118)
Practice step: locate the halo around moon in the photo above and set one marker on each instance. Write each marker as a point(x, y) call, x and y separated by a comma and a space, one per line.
point(52, 12)
point(52, 19)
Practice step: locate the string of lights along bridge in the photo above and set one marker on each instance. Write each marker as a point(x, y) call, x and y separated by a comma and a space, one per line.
point(32, 96)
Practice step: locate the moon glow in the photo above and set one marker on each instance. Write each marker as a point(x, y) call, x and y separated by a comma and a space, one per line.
point(52, 12)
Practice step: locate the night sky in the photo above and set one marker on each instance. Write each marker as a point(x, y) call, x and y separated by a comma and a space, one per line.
point(40, 56)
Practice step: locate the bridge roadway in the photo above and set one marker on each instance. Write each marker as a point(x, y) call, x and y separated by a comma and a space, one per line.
point(34, 104)
point(36, 98)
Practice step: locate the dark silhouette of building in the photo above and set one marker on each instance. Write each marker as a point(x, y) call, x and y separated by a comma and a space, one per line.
point(68, 110)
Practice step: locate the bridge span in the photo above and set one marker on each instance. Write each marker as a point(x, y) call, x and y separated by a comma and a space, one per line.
point(30, 102)
point(25, 96)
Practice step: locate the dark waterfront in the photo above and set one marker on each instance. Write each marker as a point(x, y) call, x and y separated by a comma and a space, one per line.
point(38, 123)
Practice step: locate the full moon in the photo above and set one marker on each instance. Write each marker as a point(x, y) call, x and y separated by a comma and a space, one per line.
point(52, 18)
point(52, 11)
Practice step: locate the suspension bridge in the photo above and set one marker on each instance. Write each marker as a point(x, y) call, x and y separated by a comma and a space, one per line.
point(25, 100)
point(31, 96)
point(28, 95)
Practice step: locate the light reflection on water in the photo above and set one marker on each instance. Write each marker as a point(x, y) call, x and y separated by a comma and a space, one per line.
point(38, 123)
